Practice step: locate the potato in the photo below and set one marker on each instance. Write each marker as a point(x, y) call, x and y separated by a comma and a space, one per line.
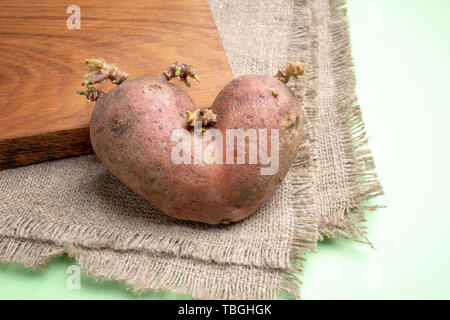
point(141, 130)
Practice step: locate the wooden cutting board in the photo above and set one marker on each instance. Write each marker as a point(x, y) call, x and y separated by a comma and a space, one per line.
point(42, 59)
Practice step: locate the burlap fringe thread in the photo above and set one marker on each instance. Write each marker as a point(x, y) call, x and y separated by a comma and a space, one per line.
point(360, 168)
point(360, 165)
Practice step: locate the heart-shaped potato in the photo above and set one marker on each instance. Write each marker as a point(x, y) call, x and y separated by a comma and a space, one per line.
point(221, 171)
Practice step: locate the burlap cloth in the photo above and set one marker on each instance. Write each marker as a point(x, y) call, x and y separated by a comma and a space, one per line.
point(76, 206)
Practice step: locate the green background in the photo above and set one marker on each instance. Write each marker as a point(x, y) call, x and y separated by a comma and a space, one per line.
point(401, 50)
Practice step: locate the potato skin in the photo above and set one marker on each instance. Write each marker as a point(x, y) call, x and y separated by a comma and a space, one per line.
point(131, 129)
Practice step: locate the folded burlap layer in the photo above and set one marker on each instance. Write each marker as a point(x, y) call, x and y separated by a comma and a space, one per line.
point(76, 206)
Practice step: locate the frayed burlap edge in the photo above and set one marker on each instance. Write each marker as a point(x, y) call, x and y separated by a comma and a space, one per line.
point(145, 272)
point(360, 169)
point(360, 165)
point(30, 253)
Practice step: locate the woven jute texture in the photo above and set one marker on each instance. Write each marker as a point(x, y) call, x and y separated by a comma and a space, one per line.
point(76, 206)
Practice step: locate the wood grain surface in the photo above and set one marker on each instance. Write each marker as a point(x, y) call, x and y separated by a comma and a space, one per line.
point(41, 63)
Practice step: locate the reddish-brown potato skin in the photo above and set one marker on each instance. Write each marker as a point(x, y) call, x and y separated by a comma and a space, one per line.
point(131, 130)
